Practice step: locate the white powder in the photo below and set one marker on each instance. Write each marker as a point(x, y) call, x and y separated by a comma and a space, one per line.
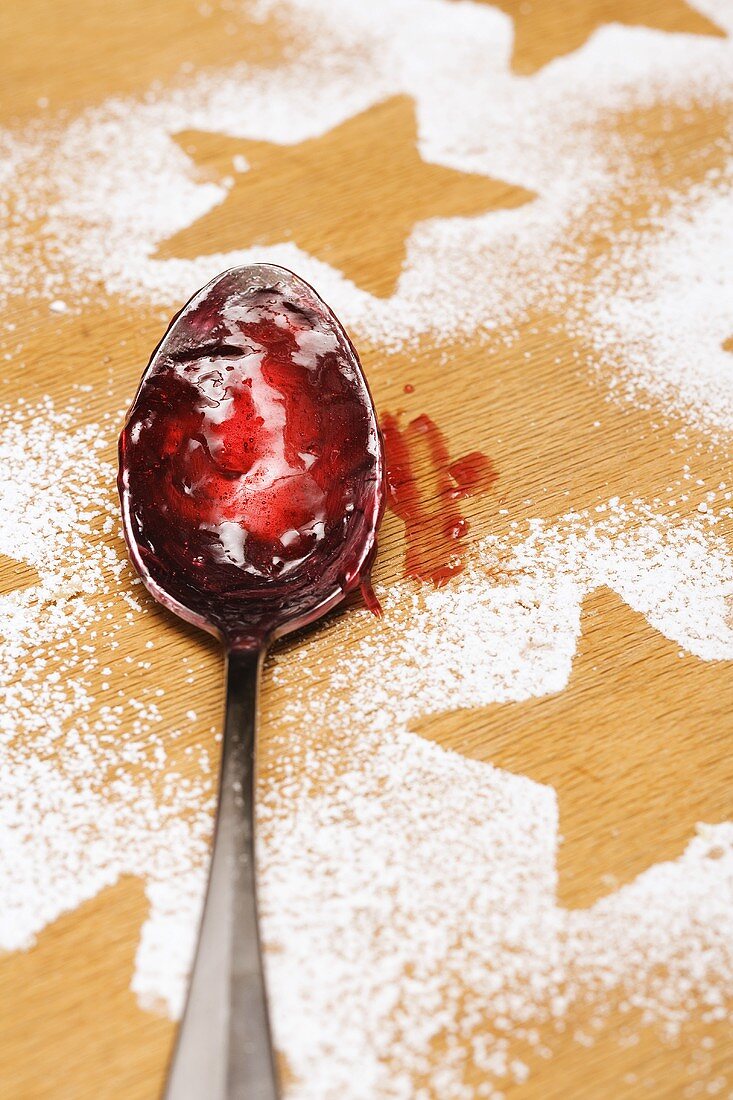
point(112, 184)
point(410, 893)
point(661, 324)
point(82, 801)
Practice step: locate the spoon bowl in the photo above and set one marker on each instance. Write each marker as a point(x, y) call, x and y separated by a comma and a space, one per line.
point(251, 467)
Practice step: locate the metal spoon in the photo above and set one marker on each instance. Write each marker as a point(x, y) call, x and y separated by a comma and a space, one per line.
point(252, 486)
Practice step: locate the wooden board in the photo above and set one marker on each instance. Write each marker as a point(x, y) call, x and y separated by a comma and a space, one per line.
point(70, 1028)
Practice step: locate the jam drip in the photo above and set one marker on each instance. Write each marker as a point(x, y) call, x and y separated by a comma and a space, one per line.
point(251, 467)
point(434, 525)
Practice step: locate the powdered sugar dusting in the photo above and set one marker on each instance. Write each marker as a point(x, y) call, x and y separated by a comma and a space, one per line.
point(82, 800)
point(411, 892)
point(112, 184)
point(654, 350)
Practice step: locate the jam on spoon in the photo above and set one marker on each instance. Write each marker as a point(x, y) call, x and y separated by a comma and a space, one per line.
point(252, 486)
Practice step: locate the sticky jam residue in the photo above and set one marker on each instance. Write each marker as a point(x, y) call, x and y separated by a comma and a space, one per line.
point(424, 487)
point(251, 470)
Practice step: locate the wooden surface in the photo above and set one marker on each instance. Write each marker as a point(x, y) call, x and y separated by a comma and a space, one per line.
point(69, 1026)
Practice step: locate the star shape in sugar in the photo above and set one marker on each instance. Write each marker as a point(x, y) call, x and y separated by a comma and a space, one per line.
point(544, 30)
point(86, 954)
point(350, 197)
point(616, 745)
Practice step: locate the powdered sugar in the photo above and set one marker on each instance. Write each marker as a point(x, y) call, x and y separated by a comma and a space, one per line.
point(111, 184)
point(657, 350)
point(81, 802)
point(411, 892)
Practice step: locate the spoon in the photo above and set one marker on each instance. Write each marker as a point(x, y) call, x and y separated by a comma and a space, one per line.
point(252, 486)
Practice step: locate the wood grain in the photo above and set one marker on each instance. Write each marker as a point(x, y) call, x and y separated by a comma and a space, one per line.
point(70, 1027)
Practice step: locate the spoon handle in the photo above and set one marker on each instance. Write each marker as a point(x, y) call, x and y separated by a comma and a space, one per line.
point(224, 1049)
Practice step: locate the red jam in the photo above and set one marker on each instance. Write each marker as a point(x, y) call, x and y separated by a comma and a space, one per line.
point(434, 526)
point(251, 469)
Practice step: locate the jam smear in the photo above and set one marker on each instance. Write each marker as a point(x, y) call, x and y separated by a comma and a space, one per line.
point(473, 474)
point(251, 468)
point(434, 526)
